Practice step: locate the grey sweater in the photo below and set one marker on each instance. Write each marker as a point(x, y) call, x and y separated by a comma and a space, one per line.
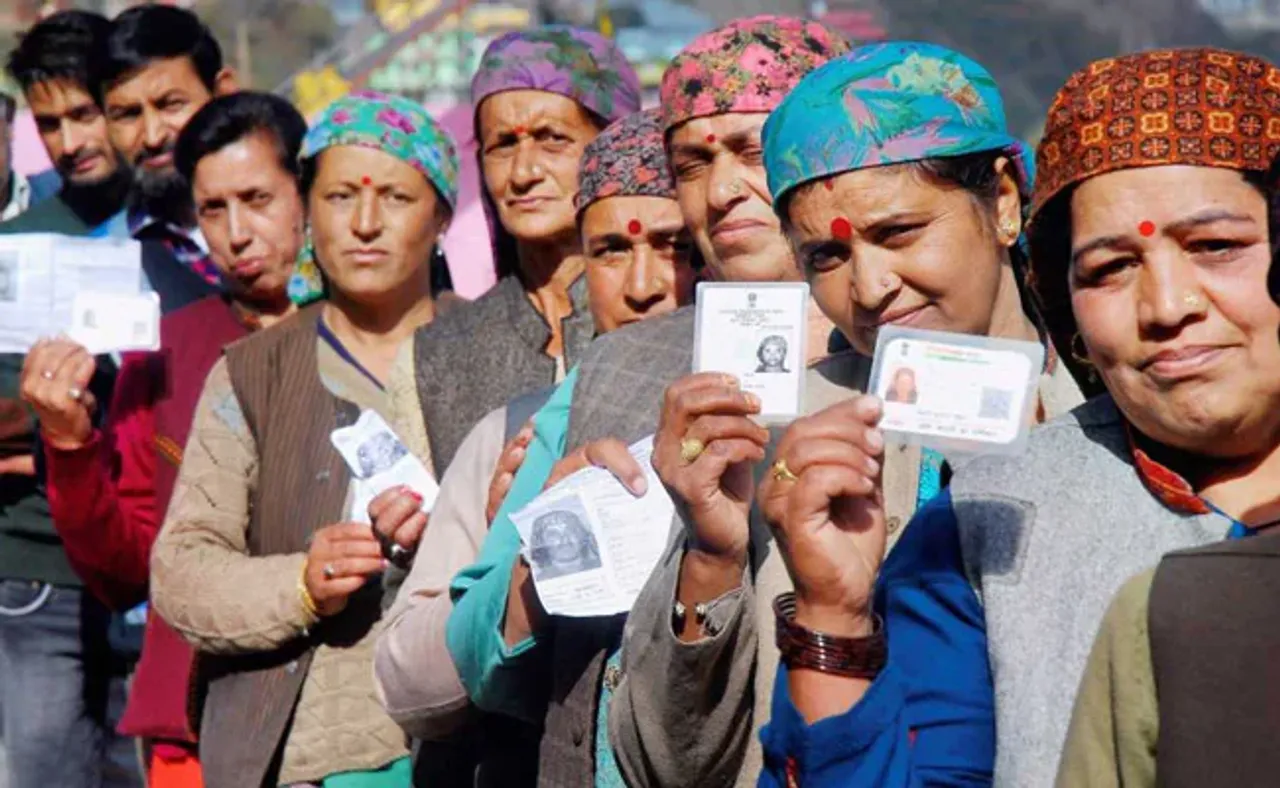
point(1048, 538)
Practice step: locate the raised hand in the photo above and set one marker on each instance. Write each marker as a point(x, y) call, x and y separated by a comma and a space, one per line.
point(55, 383)
point(704, 451)
point(504, 475)
point(824, 502)
point(341, 560)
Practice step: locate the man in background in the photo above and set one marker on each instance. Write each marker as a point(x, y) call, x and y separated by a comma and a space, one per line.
point(52, 65)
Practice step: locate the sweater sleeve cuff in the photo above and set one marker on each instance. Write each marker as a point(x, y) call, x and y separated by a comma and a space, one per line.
point(844, 737)
point(68, 466)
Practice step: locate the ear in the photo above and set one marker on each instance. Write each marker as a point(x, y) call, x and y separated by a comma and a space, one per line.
point(226, 82)
point(1008, 201)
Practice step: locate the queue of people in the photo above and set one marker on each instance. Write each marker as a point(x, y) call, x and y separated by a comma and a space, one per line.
point(189, 563)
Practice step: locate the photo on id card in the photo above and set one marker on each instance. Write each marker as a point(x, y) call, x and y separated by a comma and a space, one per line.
point(956, 392)
point(755, 332)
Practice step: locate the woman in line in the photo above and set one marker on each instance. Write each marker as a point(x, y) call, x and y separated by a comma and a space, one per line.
point(540, 96)
point(109, 488)
point(1150, 255)
point(881, 163)
point(640, 265)
point(261, 564)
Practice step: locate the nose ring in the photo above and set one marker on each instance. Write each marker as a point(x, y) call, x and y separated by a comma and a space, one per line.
point(735, 188)
point(1191, 300)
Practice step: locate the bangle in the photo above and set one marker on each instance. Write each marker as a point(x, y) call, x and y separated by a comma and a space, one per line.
point(308, 601)
point(801, 648)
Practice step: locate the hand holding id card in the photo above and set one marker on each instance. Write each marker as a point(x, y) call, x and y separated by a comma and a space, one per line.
point(956, 392)
point(379, 461)
point(756, 332)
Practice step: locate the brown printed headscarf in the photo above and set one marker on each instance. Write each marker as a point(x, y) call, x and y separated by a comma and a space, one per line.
point(628, 159)
point(1202, 107)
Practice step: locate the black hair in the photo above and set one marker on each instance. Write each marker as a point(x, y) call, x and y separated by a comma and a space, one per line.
point(229, 119)
point(62, 46)
point(147, 33)
point(7, 107)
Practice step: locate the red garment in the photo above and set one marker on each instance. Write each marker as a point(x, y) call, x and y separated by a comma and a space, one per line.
point(108, 499)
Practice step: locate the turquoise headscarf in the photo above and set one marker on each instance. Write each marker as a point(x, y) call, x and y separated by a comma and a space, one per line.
point(887, 103)
point(391, 124)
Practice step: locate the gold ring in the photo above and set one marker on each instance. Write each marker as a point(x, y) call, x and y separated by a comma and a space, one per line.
point(691, 449)
point(782, 473)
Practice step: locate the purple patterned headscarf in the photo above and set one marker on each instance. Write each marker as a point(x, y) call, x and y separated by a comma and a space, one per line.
point(577, 64)
point(628, 159)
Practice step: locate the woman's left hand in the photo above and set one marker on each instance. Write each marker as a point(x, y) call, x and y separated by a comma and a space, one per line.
point(608, 453)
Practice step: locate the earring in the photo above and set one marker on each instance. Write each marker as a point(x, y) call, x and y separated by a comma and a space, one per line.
point(1081, 355)
point(1009, 229)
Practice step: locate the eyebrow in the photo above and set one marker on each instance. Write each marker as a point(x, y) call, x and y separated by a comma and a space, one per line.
point(733, 141)
point(1208, 216)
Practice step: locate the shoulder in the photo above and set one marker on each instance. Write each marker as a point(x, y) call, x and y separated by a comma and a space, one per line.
point(44, 184)
point(1090, 433)
point(460, 319)
point(303, 321)
point(672, 333)
point(48, 216)
point(195, 314)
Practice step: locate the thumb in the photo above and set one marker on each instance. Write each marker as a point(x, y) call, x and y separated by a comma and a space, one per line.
point(89, 402)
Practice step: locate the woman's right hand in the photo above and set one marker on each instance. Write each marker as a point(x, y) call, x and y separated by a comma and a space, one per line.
point(342, 558)
point(504, 475)
point(824, 502)
point(715, 485)
point(55, 383)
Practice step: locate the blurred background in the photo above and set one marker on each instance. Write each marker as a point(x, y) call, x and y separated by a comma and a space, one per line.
point(315, 50)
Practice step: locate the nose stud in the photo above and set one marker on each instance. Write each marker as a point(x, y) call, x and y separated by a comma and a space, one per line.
point(1191, 300)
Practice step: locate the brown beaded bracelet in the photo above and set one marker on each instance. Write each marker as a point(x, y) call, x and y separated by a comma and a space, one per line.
point(857, 658)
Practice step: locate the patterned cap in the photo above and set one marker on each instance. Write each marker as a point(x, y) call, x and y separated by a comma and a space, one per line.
point(748, 65)
point(1202, 107)
point(577, 64)
point(883, 104)
point(394, 125)
point(627, 159)
point(391, 124)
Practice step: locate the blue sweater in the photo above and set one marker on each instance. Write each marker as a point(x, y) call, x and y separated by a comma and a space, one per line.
point(929, 717)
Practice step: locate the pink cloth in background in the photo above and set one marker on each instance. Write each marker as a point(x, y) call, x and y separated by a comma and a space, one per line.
point(466, 245)
point(29, 155)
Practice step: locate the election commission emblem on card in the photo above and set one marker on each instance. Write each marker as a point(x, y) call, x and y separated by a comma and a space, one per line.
point(755, 332)
point(956, 392)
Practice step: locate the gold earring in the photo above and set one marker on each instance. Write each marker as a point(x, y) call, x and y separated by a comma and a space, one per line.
point(1081, 355)
point(1009, 229)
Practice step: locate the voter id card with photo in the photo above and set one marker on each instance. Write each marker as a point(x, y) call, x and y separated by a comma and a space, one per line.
point(956, 392)
point(756, 332)
point(115, 322)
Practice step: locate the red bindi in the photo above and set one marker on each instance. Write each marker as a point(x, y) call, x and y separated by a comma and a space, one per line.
point(367, 181)
point(634, 227)
point(1147, 229)
point(711, 138)
point(841, 229)
point(829, 185)
point(520, 130)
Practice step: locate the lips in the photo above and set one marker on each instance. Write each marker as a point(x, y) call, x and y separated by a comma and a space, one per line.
point(246, 269)
point(528, 203)
point(895, 317)
point(1179, 363)
point(737, 230)
point(158, 162)
point(86, 163)
point(366, 256)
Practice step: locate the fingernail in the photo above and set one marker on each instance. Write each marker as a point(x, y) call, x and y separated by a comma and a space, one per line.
point(415, 496)
point(639, 485)
point(730, 380)
point(875, 439)
point(873, 467)
point(752, 400)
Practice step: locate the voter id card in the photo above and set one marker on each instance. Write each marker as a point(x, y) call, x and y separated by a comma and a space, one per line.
point(956, 392)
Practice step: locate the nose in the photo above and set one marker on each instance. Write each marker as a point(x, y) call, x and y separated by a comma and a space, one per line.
point(1169, 295)
point(238, 234)
point(647, 282)
point(726, 186)
point(155, 132)
point(71, 141)
point(526, 170)
point(873, 280)
point(366, 221)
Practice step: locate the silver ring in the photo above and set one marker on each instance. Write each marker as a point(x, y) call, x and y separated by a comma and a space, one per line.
point(47, 374)
point(75, 393)
point(329, 571)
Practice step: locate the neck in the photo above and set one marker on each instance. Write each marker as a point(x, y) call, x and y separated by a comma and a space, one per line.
point(97, 202)
point(1244, 488)
point(179, 212)
point(373, 332)
point(265, 312)
point(547, 273)
point(1008, 320)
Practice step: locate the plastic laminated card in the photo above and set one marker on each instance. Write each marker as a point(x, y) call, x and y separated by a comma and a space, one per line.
point(956, 393)
point(756, 332)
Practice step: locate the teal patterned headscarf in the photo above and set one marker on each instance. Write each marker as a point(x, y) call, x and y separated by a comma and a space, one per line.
point(391, 124)
point(887, 103)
